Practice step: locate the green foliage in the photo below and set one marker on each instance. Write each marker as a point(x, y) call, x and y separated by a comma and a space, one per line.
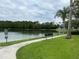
point(76, 8)
point(74, 23)
point(58, 48)
point(63, 13)
point(76, 32)
point(26, 25)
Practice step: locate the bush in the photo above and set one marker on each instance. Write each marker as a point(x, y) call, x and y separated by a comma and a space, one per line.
point(75, 32)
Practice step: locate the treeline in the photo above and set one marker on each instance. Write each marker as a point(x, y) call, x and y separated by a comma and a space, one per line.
point(27, 25)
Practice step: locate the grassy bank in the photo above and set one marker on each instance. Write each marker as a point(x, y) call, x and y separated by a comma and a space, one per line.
point(15, 42)
point(58, 48)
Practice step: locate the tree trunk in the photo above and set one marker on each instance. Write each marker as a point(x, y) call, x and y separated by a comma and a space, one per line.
point(69, 23)
point(64, 27)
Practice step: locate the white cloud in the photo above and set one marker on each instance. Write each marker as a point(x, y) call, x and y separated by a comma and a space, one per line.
point(36, 10)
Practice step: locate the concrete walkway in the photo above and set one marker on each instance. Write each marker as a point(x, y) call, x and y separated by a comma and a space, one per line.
point(9, 52)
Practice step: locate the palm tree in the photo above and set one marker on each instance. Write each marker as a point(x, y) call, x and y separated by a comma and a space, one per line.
point(63, 14)
point(69, 22)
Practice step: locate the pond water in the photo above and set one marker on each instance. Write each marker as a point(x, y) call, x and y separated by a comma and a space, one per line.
point(28, 34)
point(12, 36)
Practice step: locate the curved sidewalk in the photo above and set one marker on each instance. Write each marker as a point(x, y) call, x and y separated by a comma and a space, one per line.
point(9, 52)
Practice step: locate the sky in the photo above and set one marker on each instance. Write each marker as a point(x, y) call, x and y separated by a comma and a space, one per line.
point(31, 10)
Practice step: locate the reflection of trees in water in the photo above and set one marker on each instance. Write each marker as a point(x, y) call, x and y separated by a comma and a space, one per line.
point(32, 31)
point(38, 31)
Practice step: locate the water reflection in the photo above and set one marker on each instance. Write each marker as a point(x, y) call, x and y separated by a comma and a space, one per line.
point(12, 36)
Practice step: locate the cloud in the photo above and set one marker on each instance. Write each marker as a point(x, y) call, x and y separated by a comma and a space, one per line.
point(34, 10)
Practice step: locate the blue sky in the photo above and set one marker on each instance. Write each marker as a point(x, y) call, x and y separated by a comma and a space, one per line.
point(31, 10)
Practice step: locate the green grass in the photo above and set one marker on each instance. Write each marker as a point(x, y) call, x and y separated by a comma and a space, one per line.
point(58, 48)
point(15, 42)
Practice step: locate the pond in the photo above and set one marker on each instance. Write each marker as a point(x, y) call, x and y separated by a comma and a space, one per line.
point(13, 36)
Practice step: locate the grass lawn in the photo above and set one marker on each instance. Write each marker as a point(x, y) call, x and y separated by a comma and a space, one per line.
point(15, 42)
point(58, 48)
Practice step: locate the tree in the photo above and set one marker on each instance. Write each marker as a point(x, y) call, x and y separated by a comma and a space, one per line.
point(69, 21)
point(23, 25)
point(63, 14)
point(74, 23)
point(76, 9)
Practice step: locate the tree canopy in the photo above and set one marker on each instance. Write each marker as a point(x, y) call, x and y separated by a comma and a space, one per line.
point(27, 25)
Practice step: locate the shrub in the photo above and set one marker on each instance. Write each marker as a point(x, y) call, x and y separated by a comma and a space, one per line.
point(75, 32)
